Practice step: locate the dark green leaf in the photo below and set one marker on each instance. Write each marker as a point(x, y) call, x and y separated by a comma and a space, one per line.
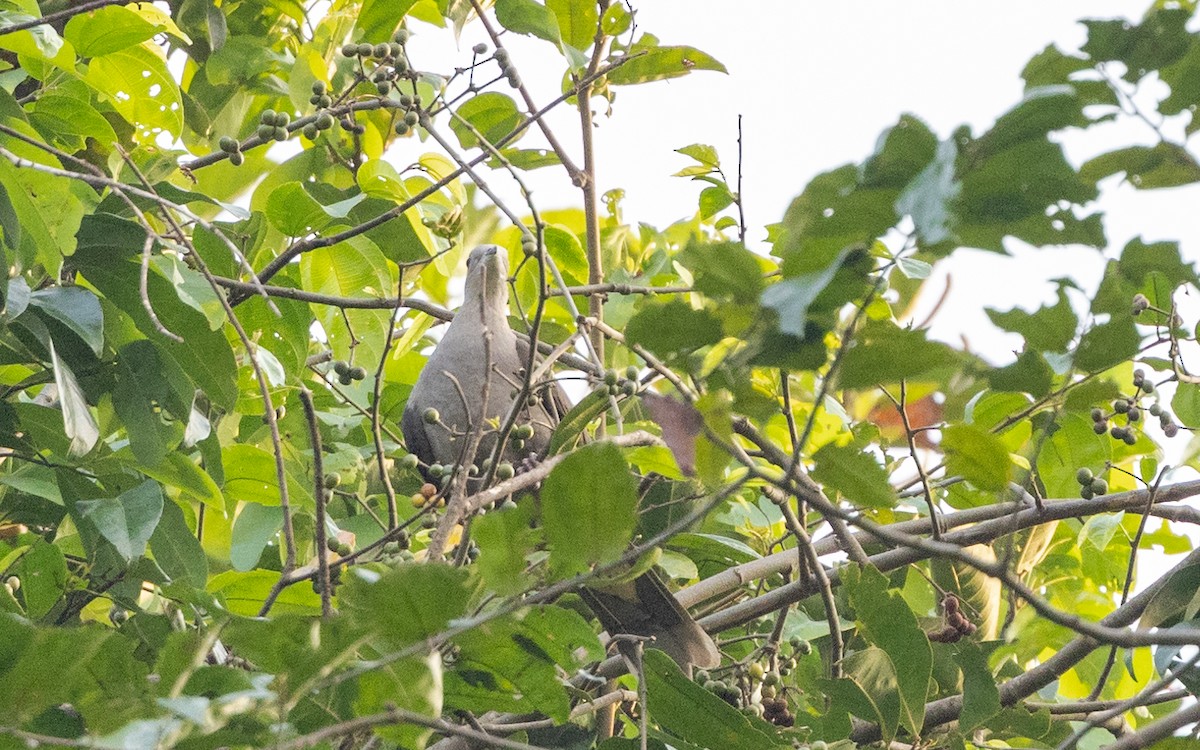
point(291, 210)
point(981, 698)
point(1029, 374)
point(1159, 40)
point(128, 520)
point(75, 307)
point(1049, 329)
point(886, 621)
point(885, 353)
point(43, 576)
point(1108, 344)
point(177, 550)
point(902, 152)
point(696, 716)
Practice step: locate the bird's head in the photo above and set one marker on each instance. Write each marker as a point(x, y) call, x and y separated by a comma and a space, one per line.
point(487, 276)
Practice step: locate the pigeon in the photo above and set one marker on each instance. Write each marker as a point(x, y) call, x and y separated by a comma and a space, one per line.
point(481, 347)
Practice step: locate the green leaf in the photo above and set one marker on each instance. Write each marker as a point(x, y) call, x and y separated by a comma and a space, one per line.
point(577, 21)
point(128, 520)
point(492, 114)
point(1043, 109)
point(980, 594)
point(109, 29)
point(885, 353)
point(255, 526)
point(1072, 444)
point(66, 121)
point(659, 63)
point(929, 197)
point(855, 474)
point(978, 456)
point(78, 423)
point(713, 200)
point(887, 622)
point(529, 18)
point(792, 297)
point(177, 550)
point(901, 154)
point(506, 540)
point(181, 472)
point(517, 660)
point(43, 575)
point(140, 394)
point(667, 328)
point(245, 593)
point(92, 668)
point(913, 268)
point(575, 421)
point(294, 212)
point(1048, 329)
point(869, 690)
point(588, 505)
point(103, 256)
point(135, 80)
point(723, 270)
point(704, 154)
point(1029, 374)
point(1159, 40)
point(696, 716)
point(1108, 344)
point(1162, 165)
point(1186, 403)
point(379, 18)
point(250, 477)
point(406, 604)
point(413, 684)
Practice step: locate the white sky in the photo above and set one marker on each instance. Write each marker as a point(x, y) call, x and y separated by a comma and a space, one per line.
point(816, 83)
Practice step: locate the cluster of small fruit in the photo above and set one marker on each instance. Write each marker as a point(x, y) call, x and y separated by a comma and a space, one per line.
point(348, 374)
point(616, 385)
point(956, 626)
point(1090, 485)
point(760, 692)
point(397, 550)
point(1130, 409)
point(506, 67)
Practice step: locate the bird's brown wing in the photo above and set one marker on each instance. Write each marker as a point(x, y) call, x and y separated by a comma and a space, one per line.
point(646, 607)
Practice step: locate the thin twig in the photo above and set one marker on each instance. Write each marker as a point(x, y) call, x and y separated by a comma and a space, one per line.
point(321, 494)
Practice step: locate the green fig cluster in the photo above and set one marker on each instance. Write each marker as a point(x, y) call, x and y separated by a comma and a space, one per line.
point(348, 374)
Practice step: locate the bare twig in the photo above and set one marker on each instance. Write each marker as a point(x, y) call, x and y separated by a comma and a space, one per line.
point(321, 494)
